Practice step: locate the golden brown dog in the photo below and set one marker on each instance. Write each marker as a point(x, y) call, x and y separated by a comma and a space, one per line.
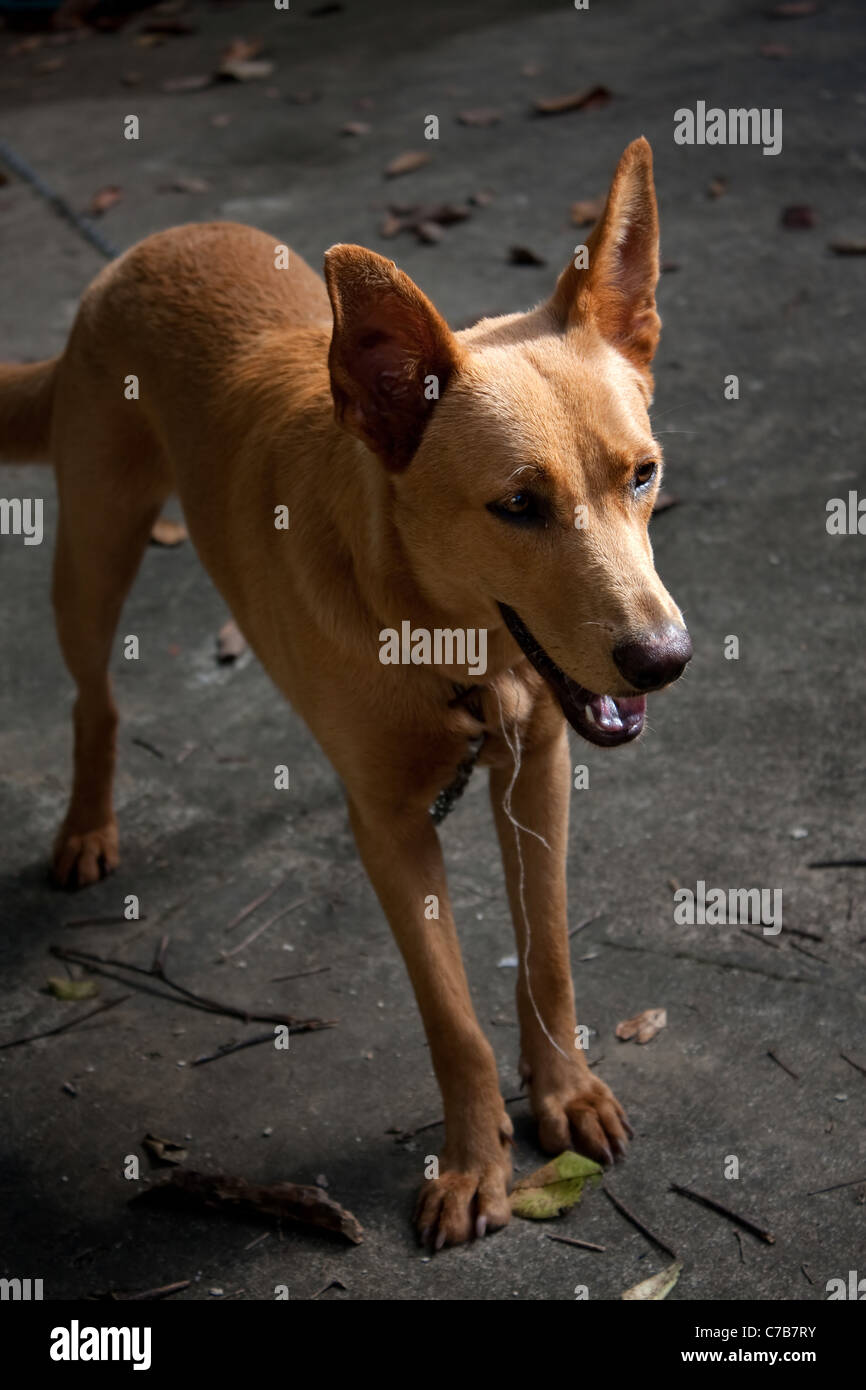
point(497, 480)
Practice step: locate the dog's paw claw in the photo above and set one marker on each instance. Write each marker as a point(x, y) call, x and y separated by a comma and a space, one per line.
point(85, 857)
point(459, 1205)
point(584, 1115)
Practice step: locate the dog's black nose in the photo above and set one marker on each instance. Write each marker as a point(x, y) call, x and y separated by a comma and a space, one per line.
point(655, 658)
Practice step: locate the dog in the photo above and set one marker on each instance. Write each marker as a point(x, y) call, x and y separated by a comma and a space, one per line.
point(499, 479)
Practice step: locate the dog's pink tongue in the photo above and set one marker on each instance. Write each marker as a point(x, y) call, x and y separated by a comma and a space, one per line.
point(617, 716)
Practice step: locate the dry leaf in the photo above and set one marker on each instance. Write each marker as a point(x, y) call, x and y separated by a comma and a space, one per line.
point(799, 217)
point(587, 211)
point(406, 163)
point(231, 642)
point(165, 532)
point(187, 84)
point(164, 1150)
point(554, 1188)
point(524, 255)
point(62, 988)
point(795, 9)
point(242, 50)
point(664, 501)
point(480, 116)
point(848, 246)
point(182, 185)
point(428, 232)
point(644, 1026)
point(283, 1201)
point(105, 199)
point(658, 1286)
point(238, 71)
point(587, 100)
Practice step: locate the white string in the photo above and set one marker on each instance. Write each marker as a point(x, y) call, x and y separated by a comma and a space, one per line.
point(516, 754)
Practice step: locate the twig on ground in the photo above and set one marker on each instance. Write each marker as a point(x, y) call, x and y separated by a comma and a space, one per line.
point(780, 1063)
point(571, 1240)
point(299, 975)
point(635, 1221)
point(236, 950)
point(64, 1027)
point(227, 1048)
point(852, 1063)
point(710, 1202)
point(837, 1187)
point(98, 964)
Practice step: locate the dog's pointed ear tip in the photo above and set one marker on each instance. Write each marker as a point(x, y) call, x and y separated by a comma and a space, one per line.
point(639, 151)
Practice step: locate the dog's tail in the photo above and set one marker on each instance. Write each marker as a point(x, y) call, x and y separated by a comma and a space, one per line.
point(26, 397)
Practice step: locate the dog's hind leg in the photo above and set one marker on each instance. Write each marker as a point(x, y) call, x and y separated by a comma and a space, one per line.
point(112, 482)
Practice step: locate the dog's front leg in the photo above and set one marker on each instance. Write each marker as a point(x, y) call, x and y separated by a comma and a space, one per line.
point(573, 1107)
point(402, 855)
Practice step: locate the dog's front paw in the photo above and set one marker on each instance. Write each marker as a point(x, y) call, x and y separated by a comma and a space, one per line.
point(470, 1195)
point(84, 857)
point(580, 1113)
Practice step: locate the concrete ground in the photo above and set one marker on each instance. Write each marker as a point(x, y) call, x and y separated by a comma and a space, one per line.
point(752, 768)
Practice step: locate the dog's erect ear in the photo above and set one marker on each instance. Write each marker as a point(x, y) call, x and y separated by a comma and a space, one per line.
point(616, 290)
point(391, 353)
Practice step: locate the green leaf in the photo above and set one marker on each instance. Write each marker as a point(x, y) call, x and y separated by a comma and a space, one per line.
point(658, 1286)
point(554, 1188)
point(72, 989)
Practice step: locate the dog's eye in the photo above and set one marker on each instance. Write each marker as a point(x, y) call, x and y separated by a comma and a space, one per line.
point(644, 473)
point(520, 506)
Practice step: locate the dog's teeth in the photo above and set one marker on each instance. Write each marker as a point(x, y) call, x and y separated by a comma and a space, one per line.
point(589, 716)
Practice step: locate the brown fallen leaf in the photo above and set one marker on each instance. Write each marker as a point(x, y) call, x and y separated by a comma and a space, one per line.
point(428, 232)
point(168, 533)
point(356, 128)
point(798, 217)
point(169, 26)
point(524, 255)
point(848, 246)
point(280, 1201)
point(406, 163)
point(480, 116)
point(242, 50)
point(239, 70)
point(717, 188)
point(106, 198)
point(195, 83)
point(587, 100)
point(794, 9)
point(184, 185)
point(164, 1151)
point(664, 501)
point(586, 211)
point(231, 643)
point(644, 1026)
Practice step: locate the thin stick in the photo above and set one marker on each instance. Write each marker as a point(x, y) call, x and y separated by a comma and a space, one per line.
point(759, 936)
point(64, 1027)
point(102, 921)
point(837, 864)
point(852, 1182)
point(195, 1001)
point(581, 1244)
point(780, 1063)
point(804, 951)
point(710, 1202)
point(228, 1048)
point(739, 1240)
point(227, 955)
point(644, 1230)
point(149, 747)
point(251, 907)
point(801, 931)
point(807, 1274)
point(300, 975)
point(587, 923)
point(852, 1063)
point(163, 1292)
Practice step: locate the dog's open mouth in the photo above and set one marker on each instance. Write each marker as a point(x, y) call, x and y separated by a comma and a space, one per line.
point(601, 719)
